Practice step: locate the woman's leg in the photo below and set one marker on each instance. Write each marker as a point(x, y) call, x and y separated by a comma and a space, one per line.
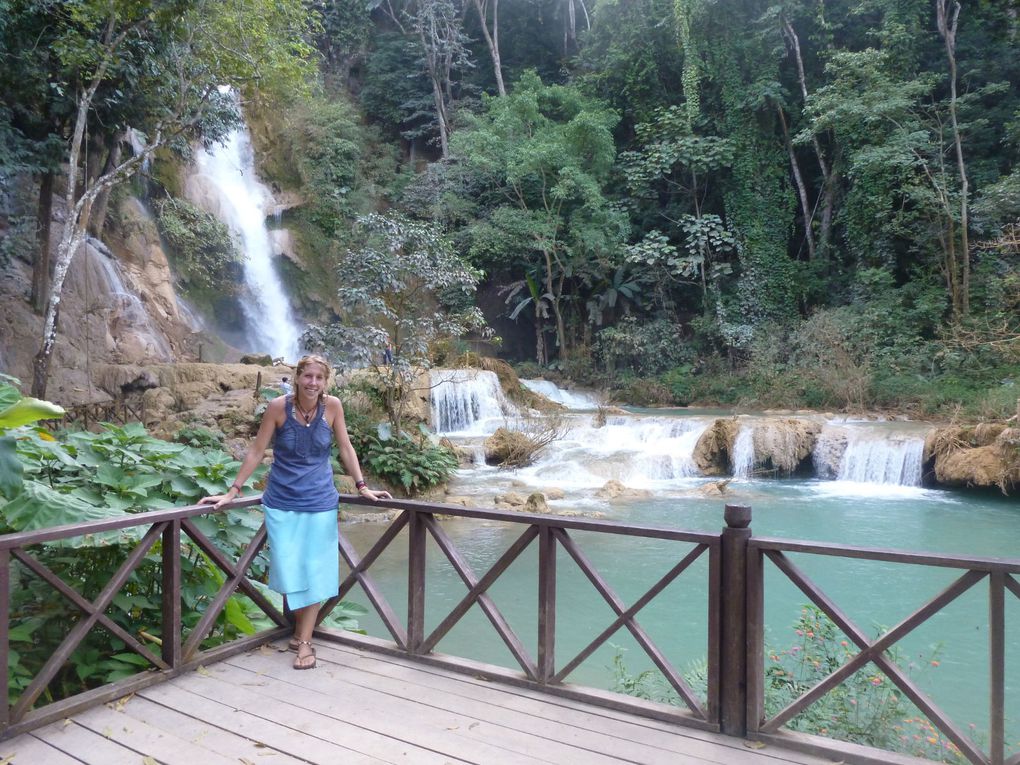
point(304, 624)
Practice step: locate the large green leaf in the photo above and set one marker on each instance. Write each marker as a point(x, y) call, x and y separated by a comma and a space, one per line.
point(39, 507)
point(10, 467)
point(28, 410)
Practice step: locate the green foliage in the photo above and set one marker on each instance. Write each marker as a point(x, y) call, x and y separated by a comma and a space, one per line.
point(414, 465)
point(200, 437)
point(649, 348)
point(866, 708)
point(202, 249)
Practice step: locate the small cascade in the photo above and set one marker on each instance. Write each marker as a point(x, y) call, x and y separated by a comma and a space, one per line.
point(225, 183)
point(743, 452)
point(126, 318)
point(468, 402)
point(637, 451)
point(870, 453)
point(571, 399)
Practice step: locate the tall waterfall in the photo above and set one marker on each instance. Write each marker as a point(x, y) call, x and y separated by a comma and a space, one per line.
point(225, 184)
point(870, 454)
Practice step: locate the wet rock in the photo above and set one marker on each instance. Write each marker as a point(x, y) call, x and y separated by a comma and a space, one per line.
point(712, 453)
point(536, 503)
point(511, 498)
point(613, 489)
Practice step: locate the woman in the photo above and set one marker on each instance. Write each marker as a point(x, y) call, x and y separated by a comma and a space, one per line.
point(300, 500)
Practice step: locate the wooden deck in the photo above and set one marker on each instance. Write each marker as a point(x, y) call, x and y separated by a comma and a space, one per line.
point(364, 707)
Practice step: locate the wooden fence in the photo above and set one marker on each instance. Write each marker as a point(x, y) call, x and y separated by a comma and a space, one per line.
point(732, 594)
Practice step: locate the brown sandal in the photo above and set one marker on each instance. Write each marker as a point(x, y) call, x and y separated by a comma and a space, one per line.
point(300, 662)
point(293, 644)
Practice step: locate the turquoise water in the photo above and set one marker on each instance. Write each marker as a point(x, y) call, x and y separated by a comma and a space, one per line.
point(873, 594)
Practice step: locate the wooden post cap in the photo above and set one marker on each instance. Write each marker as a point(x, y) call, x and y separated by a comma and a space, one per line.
point(737, 516)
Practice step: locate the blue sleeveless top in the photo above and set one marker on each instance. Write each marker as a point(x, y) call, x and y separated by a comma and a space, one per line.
point(301, 477)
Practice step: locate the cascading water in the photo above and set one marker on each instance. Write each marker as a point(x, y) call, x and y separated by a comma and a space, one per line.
point(225, 184)
point(571, 399)
point(126, 317)
point(637, 451)
point(870, 453)
point(468, 402)
point(743, 452)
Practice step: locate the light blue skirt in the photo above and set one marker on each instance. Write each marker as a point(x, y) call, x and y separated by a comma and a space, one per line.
point(304, 562)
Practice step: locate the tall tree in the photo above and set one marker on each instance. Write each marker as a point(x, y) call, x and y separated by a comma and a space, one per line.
point(492, 38)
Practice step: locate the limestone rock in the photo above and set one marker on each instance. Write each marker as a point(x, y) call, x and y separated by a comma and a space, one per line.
point(715, 488)
point(552, 492)
point(715, 446)
point(536, 503)
point(511, 498)
point(784, 444)
point(985, 456)
point(613, 489)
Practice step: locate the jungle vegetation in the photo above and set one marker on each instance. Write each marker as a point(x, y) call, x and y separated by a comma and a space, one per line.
point(773, 203)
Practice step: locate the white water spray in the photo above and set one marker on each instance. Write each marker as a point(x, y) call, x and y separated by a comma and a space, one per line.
point(225, 184)
point(468, 402)
point(571, 399)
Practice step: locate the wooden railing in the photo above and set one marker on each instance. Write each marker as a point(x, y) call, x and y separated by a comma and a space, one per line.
point(1001, 576)
point(733, 598)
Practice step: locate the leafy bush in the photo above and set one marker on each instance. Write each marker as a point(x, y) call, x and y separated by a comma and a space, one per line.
point(647, 348)
point(417, 467)
point(866, 708)
point(399, 460)
point(200, 437)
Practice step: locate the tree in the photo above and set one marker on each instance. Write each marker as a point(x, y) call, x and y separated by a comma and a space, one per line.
point(405, 286)
point(543, 154)
point(492, 38)
point(190, 50)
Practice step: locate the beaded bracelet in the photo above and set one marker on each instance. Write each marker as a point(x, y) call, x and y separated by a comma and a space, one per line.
point(359, 485)
point(235, 485)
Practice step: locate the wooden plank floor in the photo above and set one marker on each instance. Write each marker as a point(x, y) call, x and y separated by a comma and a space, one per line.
point(364, 707)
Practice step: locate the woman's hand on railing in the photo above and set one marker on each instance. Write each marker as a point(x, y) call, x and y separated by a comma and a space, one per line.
point(374, 495)
point(218, 500)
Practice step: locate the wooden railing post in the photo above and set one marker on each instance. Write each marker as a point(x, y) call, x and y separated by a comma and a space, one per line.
point(172, 593)
point(416, 535)
point(546, 604)
point(733, 621)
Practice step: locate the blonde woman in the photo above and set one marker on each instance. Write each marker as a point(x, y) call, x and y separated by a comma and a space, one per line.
point(300, 500)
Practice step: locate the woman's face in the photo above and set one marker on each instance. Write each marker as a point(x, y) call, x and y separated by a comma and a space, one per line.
point(312, 380)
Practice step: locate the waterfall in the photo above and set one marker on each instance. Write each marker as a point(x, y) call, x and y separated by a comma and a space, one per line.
point(126, 317)
point(870, 453)
point(743, 452)
point(468, 402)
point(571, 399)
point(225, 184)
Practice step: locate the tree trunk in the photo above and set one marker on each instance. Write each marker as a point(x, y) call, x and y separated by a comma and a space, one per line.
point(97, 219)
point(43, 223)
point(828, 188)
point(805, 206)
point(492, 39)
point(947, 28)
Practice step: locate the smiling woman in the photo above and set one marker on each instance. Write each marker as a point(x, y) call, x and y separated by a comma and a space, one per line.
point(300, 500)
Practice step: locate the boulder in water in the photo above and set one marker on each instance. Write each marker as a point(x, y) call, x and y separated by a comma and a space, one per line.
point(506, 447)
point(613, 489)
point(536, 503)
point(259, 359)
point(714, 447)
point(985, 456)
point(511, 498)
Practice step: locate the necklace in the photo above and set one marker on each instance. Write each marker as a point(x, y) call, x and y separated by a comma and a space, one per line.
point(306, 416)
